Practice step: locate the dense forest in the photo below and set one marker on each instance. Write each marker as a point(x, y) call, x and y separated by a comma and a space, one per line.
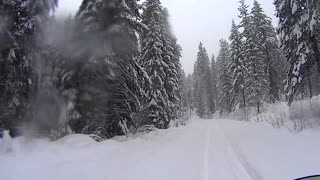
point(110, 70)
point(251, 69)
point(114, 68)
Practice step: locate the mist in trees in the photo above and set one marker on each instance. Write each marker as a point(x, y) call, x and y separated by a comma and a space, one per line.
point(112, 69)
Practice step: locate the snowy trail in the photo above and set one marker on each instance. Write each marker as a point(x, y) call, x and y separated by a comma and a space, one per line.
point(206, 155)
point(203, 153)
point(224, 163)
point(203, 150)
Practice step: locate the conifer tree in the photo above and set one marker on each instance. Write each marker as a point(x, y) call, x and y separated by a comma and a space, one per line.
point(224, 78)
point(254, 59)
point(237, 68)
point(299, 36)
point(21, 23)
point(102, 76)
point(272, 54)
point(214, 83)
point(155, 65)
point(202, 84)
point(171, 54)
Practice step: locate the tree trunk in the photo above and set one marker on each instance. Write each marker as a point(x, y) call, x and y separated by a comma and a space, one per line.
point(316, 51)
point(310, 86)
point(244, 98)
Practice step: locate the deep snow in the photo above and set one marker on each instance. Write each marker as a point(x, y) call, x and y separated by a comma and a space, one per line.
point(203, 150)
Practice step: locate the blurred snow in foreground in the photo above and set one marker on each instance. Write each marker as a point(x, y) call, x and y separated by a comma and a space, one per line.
point(205, 149)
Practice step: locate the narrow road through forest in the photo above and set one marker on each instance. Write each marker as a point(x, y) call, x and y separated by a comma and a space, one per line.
point(203, 152)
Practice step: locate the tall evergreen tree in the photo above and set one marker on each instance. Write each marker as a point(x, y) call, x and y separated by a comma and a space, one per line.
point(155, 65)
point(202, 84)
point(224, 78)
point(299, 35)
point(190, 92)
point(171, 54)
point(254, 59)
point(214, 83)
point(21, 23)
point(269, 46)
point(128, 104)
point(237, 68)
point(186, 93)
point(100, 73)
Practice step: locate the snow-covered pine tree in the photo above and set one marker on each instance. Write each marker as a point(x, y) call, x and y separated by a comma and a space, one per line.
point(20, 24)
point(224, 78)
point(199, 105)
point(211, 95)
point(269, 47)
point(101, 76)
point(171, 55)
point(244, 19)
point(184, 91)
point(214, 83)
point(186, 87)
point(190, 92)
point(299, 36)
point(315, 81)
point(257, 75)
point(129, 101)
point(237, 68)
point(202, 84)
point(155, 65)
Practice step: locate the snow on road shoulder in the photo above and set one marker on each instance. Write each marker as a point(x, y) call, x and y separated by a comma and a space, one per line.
point(276, 154)
point(77, 157)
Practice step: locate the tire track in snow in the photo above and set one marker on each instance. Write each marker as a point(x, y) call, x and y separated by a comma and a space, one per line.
point(235, 150)
point(206, 155)
point(167, 154)
point(223, 162)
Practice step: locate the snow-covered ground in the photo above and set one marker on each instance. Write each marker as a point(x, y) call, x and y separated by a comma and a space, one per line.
point(203, 150)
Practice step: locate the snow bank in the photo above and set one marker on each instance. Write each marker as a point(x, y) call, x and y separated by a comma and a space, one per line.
point(306, 113)
point(77, 157)
point(275, 154)
point(303, 114)
point(76, 140)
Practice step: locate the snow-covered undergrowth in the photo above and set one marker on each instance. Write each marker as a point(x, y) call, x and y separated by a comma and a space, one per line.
point(77, 157)
point(300, 115)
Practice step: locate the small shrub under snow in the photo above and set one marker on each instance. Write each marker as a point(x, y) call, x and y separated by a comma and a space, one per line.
point(300, 115)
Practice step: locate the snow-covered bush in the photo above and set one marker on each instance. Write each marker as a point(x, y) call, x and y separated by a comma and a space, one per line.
point(184, 116)
point(60, 132)
point(300, 115)
point(241, 114)
point(277, 114)
point(305, 113)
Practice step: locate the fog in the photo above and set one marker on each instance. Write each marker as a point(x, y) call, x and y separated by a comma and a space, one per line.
point(193, 21)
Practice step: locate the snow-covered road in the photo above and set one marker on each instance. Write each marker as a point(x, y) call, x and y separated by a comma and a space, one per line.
point(203, 150)
point(199, 152)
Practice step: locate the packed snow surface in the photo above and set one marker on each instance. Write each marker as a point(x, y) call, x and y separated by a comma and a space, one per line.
point(202, 150)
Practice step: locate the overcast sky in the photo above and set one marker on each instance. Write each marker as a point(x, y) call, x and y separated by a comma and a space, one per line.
point(194, 21)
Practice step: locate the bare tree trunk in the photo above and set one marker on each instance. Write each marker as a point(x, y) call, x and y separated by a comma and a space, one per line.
point(244, 98)
point(310, 85)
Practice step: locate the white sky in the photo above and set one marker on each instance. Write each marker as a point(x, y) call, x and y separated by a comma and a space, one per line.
point(194, 21)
